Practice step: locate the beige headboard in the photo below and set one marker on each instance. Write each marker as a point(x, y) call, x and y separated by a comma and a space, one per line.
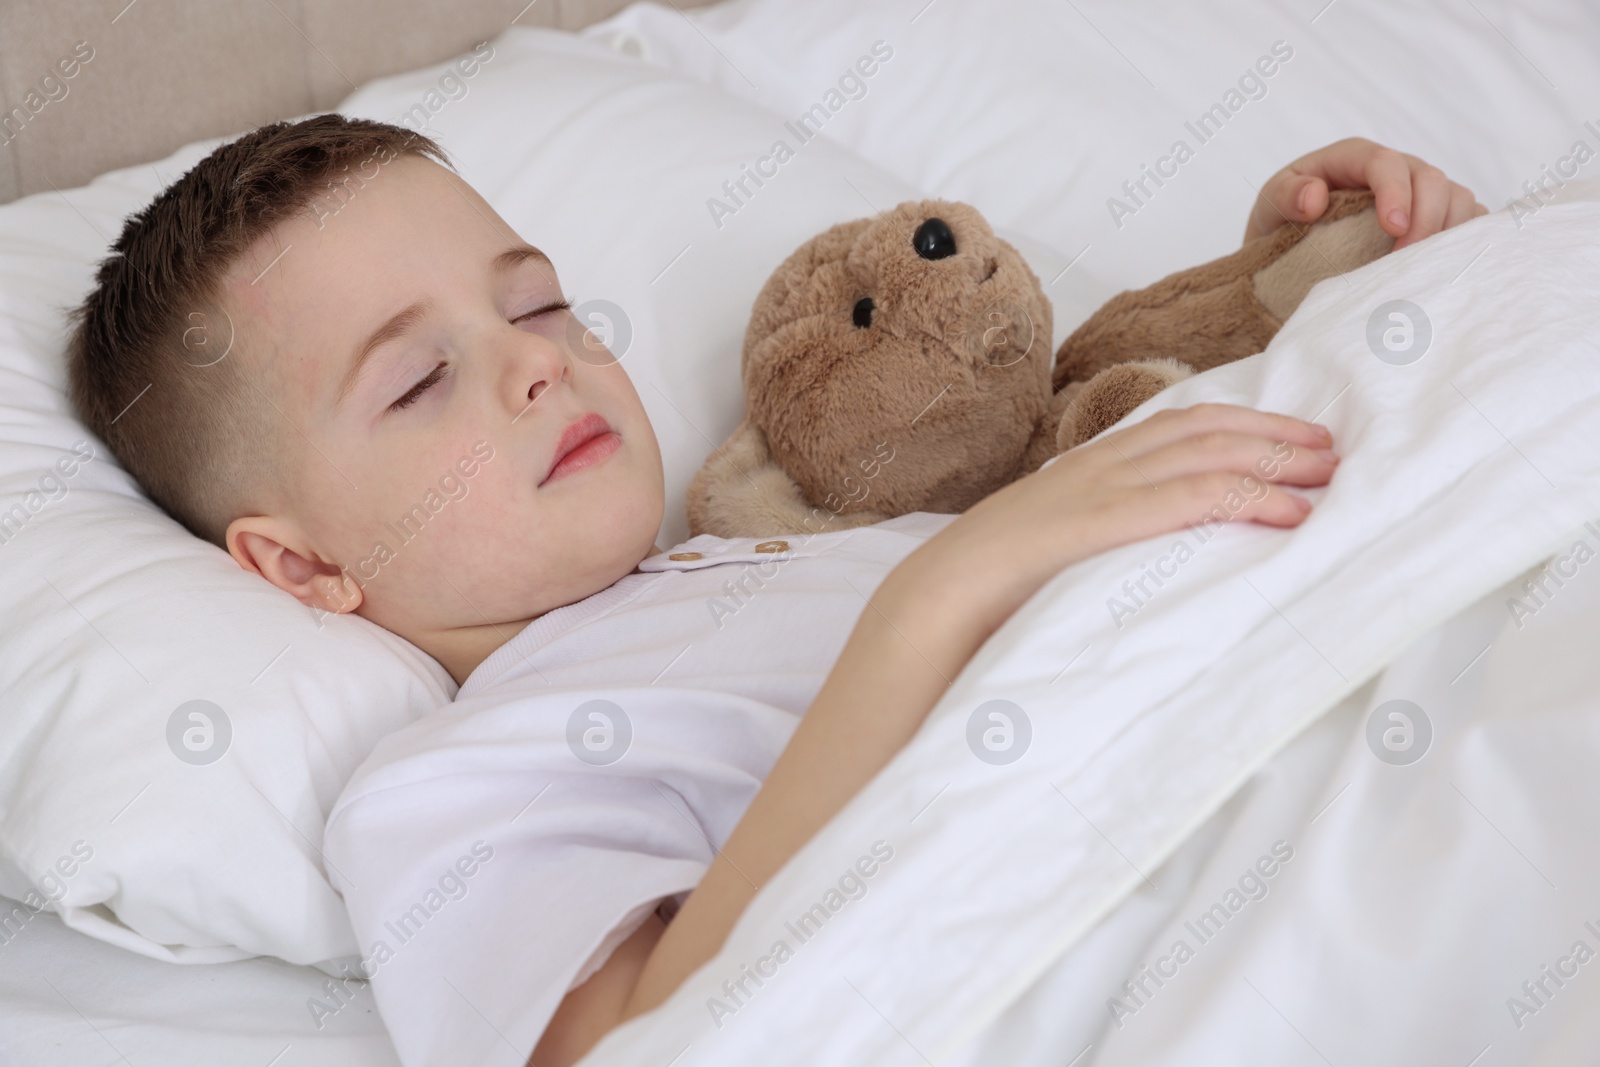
point(161, 73)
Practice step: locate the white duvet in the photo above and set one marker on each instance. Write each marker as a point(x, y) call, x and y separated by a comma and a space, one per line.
point(1361, 909)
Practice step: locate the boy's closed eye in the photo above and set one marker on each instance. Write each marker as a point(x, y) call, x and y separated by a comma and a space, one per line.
point(442, 370)
point(412, 395)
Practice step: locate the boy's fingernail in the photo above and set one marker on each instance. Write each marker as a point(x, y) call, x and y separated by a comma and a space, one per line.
point(1300, 502)
point(1305, 195)
point(1399, 219)
point(1327, 455)
point(1323, 430)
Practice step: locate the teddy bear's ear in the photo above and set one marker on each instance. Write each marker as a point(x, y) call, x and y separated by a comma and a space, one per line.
point(790, 290)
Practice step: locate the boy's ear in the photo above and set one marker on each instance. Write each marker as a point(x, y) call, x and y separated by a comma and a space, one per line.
point(260, 543)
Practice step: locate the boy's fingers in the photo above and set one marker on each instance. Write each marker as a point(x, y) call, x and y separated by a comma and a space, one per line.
point(1216, 497)
point(1463, 207)
point(1288, 196)
point(1388, 175)
point(1246, 462)
point(1306, 198)
point(1165, 427)
point(1430, 204)
point(1414, 199)
point(1357, 163)
point(1280, 507)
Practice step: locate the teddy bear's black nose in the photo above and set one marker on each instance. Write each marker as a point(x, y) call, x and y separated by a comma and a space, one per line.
point(933, 240)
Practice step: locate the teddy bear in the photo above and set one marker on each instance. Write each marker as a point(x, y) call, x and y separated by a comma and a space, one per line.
point(902, 363)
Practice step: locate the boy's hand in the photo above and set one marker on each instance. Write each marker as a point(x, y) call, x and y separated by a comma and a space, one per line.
point(1415, 199)
point(1157, 476)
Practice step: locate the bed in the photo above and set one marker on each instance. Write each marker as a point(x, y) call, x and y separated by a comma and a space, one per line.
point(1416, 907)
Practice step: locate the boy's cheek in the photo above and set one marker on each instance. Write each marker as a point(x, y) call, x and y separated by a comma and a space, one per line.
point(453, 487)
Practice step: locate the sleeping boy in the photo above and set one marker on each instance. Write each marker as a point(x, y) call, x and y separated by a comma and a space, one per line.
point(557, 850)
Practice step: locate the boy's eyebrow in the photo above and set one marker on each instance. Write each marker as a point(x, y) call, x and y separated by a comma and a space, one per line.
point(397, 325)
point(518, 254)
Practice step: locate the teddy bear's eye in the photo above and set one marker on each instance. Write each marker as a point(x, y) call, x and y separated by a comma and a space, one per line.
point(862, 315)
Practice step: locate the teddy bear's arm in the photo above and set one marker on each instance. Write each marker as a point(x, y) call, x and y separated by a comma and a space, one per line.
point(1330, 248)
point(1232, 307)
point(1110, 395)
point(1042, 445)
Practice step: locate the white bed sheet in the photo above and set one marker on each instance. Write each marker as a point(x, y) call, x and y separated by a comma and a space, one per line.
point(67, 998)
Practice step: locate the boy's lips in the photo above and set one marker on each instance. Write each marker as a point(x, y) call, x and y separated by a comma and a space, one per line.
point(585, 443)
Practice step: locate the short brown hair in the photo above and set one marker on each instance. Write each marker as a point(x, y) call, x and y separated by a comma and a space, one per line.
point(146, 360)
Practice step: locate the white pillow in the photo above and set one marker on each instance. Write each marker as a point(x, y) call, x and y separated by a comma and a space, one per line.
point(1038, 111)
point(113, 618)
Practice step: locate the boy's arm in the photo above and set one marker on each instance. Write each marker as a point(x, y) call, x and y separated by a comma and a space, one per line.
point(1415, 199)
point(920, 628)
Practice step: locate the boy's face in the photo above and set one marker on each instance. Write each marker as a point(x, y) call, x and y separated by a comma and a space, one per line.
point(425, 465)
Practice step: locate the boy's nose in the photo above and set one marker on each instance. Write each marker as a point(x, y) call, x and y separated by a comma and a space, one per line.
point(550, 374)
point(535, 366)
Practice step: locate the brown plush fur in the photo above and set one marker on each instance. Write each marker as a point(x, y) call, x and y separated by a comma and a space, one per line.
point(741, 492)
point(951, 378)
point(947, 392)
point(1113, 393)
point(1206, 316)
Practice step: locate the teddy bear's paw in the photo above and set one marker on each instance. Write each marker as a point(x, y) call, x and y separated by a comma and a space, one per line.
point(738, 486)
point(1110, 395)
point(1332, 245)
point(742, 492)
